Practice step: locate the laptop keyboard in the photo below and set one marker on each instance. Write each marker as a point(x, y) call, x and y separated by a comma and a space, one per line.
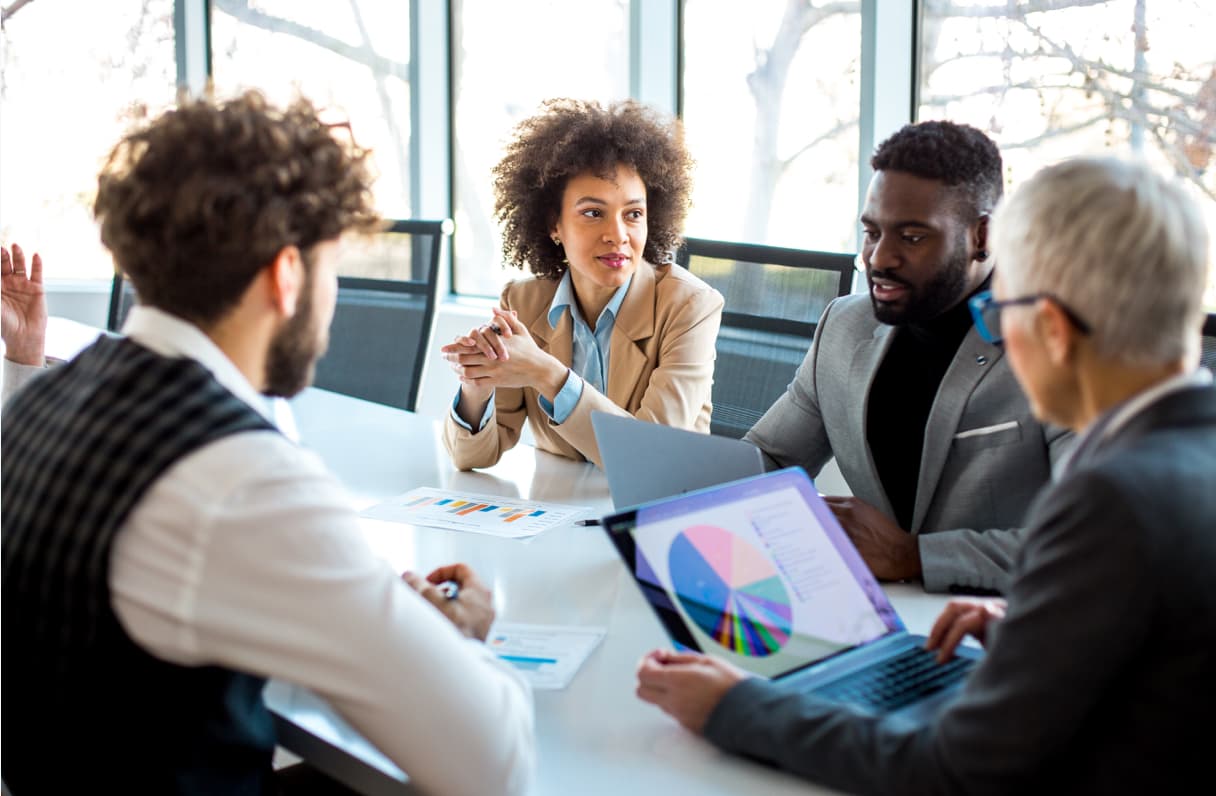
point(891, 684)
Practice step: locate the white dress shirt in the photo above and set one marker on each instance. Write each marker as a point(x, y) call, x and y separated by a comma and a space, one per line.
point(247, 554)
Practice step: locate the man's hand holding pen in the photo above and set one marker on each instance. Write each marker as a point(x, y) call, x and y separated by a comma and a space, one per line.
point(459, 595)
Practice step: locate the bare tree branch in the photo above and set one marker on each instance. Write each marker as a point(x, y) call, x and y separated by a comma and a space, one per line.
point(400, 142)
point(1005, 9)
point(1159, 108)
point(767, 86)
point(1079, 65)
point(841, 127)
point(13, 7)
point(1055, 132)
point(817, 14)
point(241, 10)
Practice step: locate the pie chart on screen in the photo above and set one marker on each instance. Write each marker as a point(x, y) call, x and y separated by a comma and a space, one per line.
point(730, 590)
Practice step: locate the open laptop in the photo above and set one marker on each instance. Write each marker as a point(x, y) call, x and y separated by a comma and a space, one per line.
point(647, 461)
point(759, 572)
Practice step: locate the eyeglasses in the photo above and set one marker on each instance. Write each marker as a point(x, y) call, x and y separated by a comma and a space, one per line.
point(987, 313)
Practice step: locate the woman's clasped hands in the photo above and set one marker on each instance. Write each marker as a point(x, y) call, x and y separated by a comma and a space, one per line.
point(500, 353)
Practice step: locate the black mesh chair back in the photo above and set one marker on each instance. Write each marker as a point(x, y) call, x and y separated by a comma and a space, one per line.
point(1207, 357)
point(774, 298)
point(122, 299)
point(381, 330)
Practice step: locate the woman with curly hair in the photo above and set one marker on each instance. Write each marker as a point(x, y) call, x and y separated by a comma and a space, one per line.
point(592, 201)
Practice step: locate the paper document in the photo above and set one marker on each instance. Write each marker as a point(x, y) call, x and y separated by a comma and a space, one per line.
point(457, 511)
point(546, 655)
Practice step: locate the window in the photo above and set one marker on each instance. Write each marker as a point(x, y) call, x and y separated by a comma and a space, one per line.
point(507, 59)
point(69, 89)
point(350, 59)
point(1082, 77)
point(771, 98)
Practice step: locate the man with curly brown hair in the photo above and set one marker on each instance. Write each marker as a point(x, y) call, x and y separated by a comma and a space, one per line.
point(592, 200)
point(166, 549)
point(930, 431)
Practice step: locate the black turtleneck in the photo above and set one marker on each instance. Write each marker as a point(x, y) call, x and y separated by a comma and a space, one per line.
point(902, 395)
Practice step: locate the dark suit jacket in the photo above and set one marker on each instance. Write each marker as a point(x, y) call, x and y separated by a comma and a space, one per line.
point(1102, 676)
point(985, 456)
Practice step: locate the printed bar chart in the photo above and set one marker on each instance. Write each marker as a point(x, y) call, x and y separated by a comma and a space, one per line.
point(437, 508)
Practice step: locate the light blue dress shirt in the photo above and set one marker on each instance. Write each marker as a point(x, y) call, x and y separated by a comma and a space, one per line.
point(590, 352)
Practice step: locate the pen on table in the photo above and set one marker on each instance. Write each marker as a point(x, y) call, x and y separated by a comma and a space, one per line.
point(588, 521)
point(449, 589)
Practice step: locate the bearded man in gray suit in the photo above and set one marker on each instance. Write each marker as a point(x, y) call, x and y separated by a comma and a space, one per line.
point(924, 417)
point(1098, 672)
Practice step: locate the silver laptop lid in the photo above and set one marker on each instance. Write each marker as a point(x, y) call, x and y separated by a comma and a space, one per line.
point(647, 461)
point(757, 572)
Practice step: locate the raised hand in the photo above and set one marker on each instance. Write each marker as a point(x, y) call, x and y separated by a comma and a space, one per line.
point(22, 307)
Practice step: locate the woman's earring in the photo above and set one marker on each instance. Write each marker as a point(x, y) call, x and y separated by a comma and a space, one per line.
point(981, 255)
point(557, 241)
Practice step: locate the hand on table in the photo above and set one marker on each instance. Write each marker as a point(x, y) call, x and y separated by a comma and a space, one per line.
point(471, 610)
point(963, 618)
point(685, 685)
point(889, 551)
point(22, 307)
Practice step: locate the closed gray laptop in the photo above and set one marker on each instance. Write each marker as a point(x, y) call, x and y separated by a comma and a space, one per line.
point(647, 461)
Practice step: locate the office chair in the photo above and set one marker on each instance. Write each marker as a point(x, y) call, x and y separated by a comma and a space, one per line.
point(1207, 357)
point(381, 330)
point(122, 299)
point(774, 298)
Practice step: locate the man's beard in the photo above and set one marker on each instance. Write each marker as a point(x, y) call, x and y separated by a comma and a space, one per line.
point(295, 349)
point(936, 296)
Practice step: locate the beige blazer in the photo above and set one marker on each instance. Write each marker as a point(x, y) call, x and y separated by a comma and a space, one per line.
point(660, 367)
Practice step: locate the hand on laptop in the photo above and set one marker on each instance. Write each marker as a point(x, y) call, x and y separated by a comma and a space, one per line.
point(471, 610)
point(963, 618)
point(889, 551)
point(685, 685)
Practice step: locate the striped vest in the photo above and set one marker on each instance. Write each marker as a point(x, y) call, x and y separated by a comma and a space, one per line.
point(85, 709)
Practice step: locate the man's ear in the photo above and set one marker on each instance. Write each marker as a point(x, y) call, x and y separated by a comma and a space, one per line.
point(286, 277)
point(979, 237)
point(1057, 332)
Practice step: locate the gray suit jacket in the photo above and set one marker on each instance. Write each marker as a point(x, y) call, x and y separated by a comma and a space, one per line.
point(985, 456)
point(1100, 677)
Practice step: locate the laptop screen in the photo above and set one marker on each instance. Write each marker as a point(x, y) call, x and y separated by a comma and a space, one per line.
point(757, 572)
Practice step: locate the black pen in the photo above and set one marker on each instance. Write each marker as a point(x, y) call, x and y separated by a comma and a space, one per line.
point(588, 521)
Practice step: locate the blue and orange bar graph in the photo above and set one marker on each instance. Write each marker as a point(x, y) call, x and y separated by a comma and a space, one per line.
point(462, 507)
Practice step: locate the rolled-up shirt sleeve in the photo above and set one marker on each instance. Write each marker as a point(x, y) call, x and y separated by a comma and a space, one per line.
point(17, 376)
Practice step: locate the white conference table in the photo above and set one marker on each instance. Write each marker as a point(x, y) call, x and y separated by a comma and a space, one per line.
point(593, 737)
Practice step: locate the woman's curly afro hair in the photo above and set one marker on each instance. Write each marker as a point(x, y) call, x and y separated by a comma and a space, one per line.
point(572, 137)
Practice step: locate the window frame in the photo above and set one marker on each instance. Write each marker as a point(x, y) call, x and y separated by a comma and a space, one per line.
point(656, 77)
